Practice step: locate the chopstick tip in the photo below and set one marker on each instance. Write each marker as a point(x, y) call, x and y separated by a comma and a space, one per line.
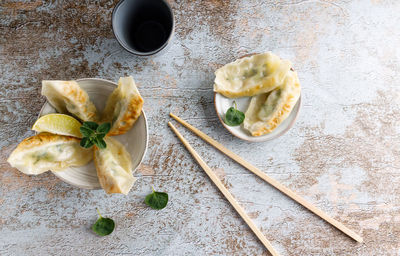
point(171, 125)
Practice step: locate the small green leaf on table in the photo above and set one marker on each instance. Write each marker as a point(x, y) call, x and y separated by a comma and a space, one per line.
point(103, 226)
point(156, 200)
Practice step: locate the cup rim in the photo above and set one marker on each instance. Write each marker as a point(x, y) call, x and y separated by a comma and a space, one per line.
point(138, 53)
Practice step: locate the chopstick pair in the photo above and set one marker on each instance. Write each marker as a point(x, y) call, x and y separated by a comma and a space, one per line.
point(260, 174)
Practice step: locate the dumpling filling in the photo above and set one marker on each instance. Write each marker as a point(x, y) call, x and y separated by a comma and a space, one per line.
point(266, 111)
point(114, 167)
point(249, 76)
point(44, 152)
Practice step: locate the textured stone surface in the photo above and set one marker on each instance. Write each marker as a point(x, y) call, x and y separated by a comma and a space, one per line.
point(343, 154)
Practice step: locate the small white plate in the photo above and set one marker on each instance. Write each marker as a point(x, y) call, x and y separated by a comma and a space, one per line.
point(135, 140)
point(222, 104)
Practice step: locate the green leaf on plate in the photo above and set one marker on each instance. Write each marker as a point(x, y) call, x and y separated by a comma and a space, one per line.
point(100, 143)
point(86, 142)
point(101, 135)
point(86, 132)
point(93, 134)
point(103, 128)
point(233, 116)
point(91, 125)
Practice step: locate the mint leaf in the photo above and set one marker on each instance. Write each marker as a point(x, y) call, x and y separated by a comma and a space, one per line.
point(233, 116)
point(103, 128)
point(156, 200)
point(91, 125)
point(86, 132)
point(101, 135)
point(86, 142)
point(100, 143)
point(103, 226)
point(93, 134)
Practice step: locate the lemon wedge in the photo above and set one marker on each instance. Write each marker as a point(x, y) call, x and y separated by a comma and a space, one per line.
point(58, 124)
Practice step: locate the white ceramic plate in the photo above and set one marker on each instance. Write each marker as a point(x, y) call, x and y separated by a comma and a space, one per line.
point(135, 140)
point(222, 104)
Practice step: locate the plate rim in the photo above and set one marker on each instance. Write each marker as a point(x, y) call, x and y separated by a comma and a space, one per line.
point(146, 137)
point(257, 138)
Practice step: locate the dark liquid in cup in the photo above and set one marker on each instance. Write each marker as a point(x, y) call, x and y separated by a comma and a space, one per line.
point(148, 36)
point(146, 24)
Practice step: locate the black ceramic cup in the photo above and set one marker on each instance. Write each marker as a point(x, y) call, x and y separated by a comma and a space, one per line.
point(143, 27)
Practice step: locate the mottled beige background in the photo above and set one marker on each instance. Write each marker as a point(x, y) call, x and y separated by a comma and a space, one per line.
point(342, 154)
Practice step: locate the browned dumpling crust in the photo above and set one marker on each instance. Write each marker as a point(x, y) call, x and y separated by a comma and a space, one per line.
point(67, 97)
point(114, 167)
point(45, 151)
point(249, 76)
point(266, 111)
point(123, 106)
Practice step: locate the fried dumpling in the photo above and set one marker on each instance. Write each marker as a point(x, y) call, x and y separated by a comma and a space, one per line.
point(123, 107)
point(68, 97)
point(249, 76)
point(114, 167)
point(266, 111)
point(45, 151)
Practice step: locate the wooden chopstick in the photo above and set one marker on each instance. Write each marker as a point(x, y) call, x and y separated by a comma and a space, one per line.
point(225, 192)
point(271, 181)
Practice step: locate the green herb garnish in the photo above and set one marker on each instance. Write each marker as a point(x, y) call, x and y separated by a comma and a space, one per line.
point(93, 134)
point(156, 200)
point(103, 226)
point(233, 116)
